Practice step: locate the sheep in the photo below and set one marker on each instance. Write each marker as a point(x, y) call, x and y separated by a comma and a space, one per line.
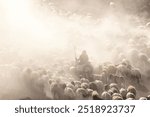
point(85, 85)
point(110, 92)
point(111, 69)
point(100, 86)
point(84, 80)
point(119, 80)
point(114, 90)
point(123, 92)
point(95, 96)
point(123, 71)
point(73, 83)
point(131, 89)
point(57, 90)
point(117, 94)
point(77, 82)
point(71, 86)
point(136, 77)
point(117, 98)
point(106, 96)
point(93, 86)
point(142, 98)
point(114, 85)
point(130, 95)
point(106, 87)
point(69, 93)
point(90, 91)
point(81, 93)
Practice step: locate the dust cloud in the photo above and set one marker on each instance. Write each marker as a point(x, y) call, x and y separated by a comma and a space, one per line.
point(44, 32)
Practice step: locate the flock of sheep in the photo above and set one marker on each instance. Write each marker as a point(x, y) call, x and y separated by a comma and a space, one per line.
point(123, 81)
point(126, 79)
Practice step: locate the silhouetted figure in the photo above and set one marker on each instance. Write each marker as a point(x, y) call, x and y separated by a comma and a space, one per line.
point(83, 59)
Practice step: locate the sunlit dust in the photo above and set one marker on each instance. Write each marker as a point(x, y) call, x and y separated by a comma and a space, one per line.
point(47, 33)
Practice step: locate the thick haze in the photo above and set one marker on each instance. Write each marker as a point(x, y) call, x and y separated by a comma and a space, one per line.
point(44, 31)
point(33, 28)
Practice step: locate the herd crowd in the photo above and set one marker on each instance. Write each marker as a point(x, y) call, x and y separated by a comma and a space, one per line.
point(122, 81)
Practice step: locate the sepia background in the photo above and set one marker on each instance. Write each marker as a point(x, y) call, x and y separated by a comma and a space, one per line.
point(39, 40)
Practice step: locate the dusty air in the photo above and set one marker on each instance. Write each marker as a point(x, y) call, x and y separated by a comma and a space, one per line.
point(75, 49)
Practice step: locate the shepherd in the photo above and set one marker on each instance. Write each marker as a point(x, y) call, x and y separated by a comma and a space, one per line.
point(83, 59)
